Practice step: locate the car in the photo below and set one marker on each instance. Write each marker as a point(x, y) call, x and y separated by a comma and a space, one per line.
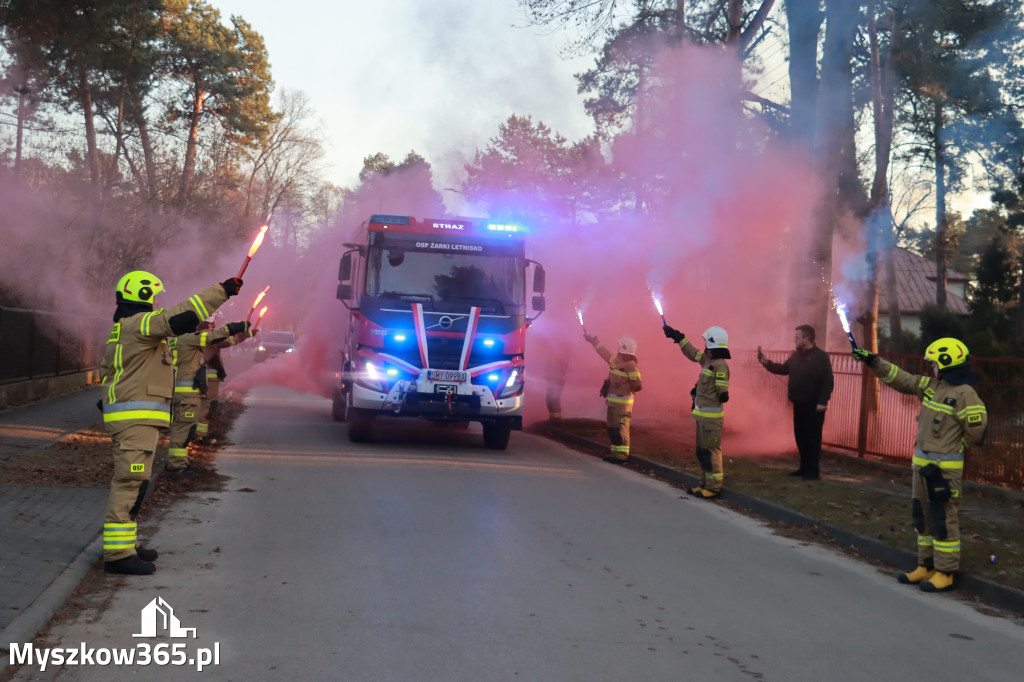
point(274, 343)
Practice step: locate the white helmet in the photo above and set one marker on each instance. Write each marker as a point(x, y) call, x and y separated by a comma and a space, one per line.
point(627, 345)
point(716, 337)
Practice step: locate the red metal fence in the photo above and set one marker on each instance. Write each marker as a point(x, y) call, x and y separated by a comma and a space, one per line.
point(881, 422)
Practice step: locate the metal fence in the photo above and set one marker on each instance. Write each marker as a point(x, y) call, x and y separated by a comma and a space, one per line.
point(874, 420)
point(36, 343)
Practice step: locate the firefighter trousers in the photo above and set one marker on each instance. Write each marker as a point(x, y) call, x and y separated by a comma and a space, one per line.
point(620, 415)
point(206, 408)
point(134, 449)
point(937, 523)
point(186, 410)
point(709, 454)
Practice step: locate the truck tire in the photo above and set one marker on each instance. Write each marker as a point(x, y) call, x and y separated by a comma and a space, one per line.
point(360, 425)
point(338, 406)
point(497, 434)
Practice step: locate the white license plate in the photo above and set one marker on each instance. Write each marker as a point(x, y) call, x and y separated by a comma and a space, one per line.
point(447, 375)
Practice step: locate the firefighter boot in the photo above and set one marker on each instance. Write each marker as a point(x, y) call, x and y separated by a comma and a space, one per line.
point(938, 582)
point(917, 576)
point(702, 493)
point(146, 554)
point(130, 565)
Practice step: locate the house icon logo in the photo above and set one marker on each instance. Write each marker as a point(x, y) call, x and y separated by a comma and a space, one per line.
point(158, 616)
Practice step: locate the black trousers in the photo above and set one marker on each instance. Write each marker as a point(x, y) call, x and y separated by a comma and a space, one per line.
point(807, 426)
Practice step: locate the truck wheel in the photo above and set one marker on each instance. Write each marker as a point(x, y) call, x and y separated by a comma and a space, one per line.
point(497, 434)
point(338, 405)
point(360, 425)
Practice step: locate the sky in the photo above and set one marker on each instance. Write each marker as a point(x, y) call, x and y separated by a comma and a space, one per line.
point(402, 75)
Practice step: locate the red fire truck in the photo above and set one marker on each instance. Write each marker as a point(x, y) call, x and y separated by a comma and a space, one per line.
point(437, 323)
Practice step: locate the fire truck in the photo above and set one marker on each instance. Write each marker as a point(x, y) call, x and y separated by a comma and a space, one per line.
point(438, 313)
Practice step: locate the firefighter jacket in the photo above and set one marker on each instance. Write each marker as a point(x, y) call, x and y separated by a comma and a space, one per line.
point(623, 375)
point(952, 416)
point(712, 384)
point(187, 354)
point(137, 370)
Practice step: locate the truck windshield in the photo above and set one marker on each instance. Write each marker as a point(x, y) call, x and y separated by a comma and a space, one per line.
point(447, 281)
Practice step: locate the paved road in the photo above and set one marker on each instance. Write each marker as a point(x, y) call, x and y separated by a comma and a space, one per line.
point(426, 557)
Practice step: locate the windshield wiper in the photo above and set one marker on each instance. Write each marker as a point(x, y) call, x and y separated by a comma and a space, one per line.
point(500, 307)
point(404, 297)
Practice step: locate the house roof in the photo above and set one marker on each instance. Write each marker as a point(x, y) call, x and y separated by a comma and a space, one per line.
point(915, 285)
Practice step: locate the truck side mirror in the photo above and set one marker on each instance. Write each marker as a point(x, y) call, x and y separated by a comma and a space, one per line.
point(344, 292)
point(538, 304)
point(345, 269)
point(538, 281)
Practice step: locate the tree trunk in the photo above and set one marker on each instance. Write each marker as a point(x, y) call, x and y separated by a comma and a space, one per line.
point(733, 21)
point(20, 134)
point(85, 96)
point(833, 129)
point(940, 208)
point(891, 295)
point(147, 155)
point(192, 142)
point(804, 21)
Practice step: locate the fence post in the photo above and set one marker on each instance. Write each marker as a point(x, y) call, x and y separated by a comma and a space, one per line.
point(865, 411)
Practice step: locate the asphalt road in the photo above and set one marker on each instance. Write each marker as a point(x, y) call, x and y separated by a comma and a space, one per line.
point(423, 556)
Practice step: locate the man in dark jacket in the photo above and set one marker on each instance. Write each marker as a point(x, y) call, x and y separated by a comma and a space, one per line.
point(810, 386)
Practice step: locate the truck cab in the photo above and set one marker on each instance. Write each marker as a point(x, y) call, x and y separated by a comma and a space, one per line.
point(438, 315)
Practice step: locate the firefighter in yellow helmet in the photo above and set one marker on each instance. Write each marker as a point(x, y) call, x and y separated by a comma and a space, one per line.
point(190, 387)
point(138, 380)
point(952, 417)
point(622, 384)
point(709, 396)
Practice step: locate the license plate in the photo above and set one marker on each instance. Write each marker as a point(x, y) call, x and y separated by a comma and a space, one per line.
point(447, 375)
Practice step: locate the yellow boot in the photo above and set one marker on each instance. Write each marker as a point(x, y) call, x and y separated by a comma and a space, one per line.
point(917, 576)
point(702, 493)
point(939, 582)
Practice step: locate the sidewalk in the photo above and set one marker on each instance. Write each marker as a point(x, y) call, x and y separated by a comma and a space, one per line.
point(46, 532)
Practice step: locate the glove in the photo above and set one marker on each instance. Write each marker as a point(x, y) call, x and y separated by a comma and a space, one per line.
point(861, 355)
point(237, 327)
point(673, 334)
point(231, 286)
point(589, 338)
point(99, 404)
point(604, 388)
point(221, 374)
point(724, 397)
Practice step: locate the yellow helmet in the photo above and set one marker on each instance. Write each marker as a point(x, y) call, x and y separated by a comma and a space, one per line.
point(947, 352)
point(139, 286)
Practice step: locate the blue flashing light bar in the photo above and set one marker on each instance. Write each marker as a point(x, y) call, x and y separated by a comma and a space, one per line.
point(489, 343)
point(505, 227)
point(392, 372)
point(399, 337)
point(492, 377)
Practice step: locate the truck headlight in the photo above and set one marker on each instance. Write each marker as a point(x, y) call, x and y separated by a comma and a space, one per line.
point(513, 385)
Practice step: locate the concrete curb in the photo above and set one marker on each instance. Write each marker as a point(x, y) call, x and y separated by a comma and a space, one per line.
point(1002, 596)
point(30, 622)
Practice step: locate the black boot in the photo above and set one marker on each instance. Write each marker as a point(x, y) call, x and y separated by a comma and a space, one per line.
point(130, 565)
point(146, 554)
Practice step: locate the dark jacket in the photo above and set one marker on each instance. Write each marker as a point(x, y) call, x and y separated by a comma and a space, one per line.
point(810, 376)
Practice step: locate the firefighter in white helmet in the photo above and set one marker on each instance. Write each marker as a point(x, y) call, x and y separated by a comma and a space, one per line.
point(709, 396)
point(138, 383)
point(952, 418)
point(622, 384)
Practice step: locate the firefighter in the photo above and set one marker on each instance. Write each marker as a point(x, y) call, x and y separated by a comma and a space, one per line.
point(622, 384)
point(952, 417)
point(709, 396)
point(191, 386)
point(556, 366)
point(215, 375)
point(138, 380)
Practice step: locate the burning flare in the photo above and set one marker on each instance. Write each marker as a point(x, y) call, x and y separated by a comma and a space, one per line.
point(253, 249)
point(263, 311)
point(841, 309)
point(657, 306)
point(256, 303)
